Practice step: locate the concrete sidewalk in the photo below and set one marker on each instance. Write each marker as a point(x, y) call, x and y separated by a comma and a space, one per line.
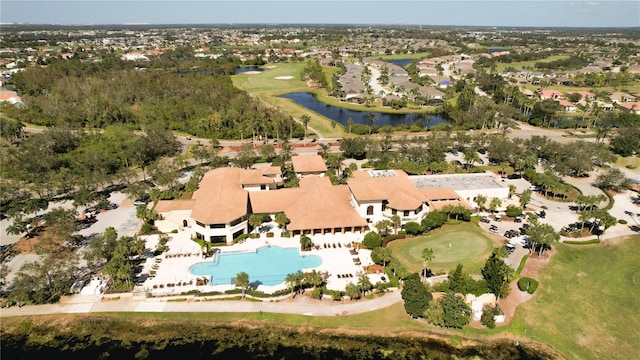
point(301, 306)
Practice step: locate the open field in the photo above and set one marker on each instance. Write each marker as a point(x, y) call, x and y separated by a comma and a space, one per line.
point(469, 247)
point(587, 303)
point(528, 64)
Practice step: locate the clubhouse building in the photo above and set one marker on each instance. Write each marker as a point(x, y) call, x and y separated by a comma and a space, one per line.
point(220, 209)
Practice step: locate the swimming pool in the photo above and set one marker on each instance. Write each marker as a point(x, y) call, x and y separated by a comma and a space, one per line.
point(269, 265)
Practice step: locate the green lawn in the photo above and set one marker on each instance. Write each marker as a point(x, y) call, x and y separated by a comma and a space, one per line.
point(529, 64)
point(470, 246)
point(588, 302)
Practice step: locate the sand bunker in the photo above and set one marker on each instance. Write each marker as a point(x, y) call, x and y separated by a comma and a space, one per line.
point(284, 77)
point(252, 72)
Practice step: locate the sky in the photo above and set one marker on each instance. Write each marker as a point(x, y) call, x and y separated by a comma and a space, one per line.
point(525, 13)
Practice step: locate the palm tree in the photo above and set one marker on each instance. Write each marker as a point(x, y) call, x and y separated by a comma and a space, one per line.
point(364, 284)
point(242, 281)
point(324, 150)
point(427, 255)
point(512, 190)
point(305, 121)
point(305, 242)
point(382, 226)
point(315, 278)
point(495, 204)
point(397, 222)
point(525, 197)
point(350, 123)
point(255, 220)
point(291, 281)
point(481, 200)
point(371, 118)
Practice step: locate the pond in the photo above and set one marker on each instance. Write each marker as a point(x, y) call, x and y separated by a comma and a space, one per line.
point(245, 69)
point(342, 115)
point(400, 62)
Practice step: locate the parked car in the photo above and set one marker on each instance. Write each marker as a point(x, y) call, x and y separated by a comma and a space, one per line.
point(510, 248)
point(485, 219)
point(139, 202)
point(493, 229)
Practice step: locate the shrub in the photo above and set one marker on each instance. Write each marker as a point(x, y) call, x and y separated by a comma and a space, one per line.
point(372, 240)
point(240, 237)
point(575, 242)
point(413, 228)
point(389, 238)
point(622, 221)
point(487, 319)
point(528, 284)
point(513, 211)
point(174, 231)
point(146, 228)
point(270, 234)
point(316, 294)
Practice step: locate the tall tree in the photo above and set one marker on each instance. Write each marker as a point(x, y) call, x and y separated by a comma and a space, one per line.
point(415, 295)
point(541, 235)
point(305, 122)
point(427, 255)
point(525, 198)
point(496, 272)
point(456, 313)
point(242, 281)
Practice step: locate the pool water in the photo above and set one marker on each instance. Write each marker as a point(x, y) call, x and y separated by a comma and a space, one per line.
point(269, 265)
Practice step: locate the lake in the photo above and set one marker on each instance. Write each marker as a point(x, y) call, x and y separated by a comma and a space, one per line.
point(245, 69)
point(342, 115)
point(400, 62)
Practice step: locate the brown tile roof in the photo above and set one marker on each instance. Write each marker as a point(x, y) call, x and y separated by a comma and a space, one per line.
point(271, 170)
point(171, 205)
point(432, 194)
point(438, 205)
point(397, 189)
point(308, 163)
point(316, 204)
point(221, 198)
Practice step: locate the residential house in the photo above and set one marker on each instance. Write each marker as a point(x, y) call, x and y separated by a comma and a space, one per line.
point(633, 107)
point(304, 165)
point(621, 97)
point(567, 106)
point(550, 94)
point(380, 194)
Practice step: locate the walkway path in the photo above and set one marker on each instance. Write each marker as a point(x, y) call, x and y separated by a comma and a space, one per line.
point(302, 306)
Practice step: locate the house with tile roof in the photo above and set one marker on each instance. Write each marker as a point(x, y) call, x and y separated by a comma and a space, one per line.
point(621, 97)
point(380, 194)
point(304, 165)
point(220, 209)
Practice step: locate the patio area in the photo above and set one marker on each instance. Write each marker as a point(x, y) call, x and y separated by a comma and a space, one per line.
point(168, 274)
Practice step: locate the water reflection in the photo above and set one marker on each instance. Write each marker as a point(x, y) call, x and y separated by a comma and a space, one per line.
point(342, 115)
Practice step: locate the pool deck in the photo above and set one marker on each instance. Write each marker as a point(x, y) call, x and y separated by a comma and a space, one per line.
point(171, 269)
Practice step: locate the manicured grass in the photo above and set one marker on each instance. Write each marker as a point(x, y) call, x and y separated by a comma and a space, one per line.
point(266, 84)
point(470, 246)
point(634, 161)
point(529, 64)
point(587, 303)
